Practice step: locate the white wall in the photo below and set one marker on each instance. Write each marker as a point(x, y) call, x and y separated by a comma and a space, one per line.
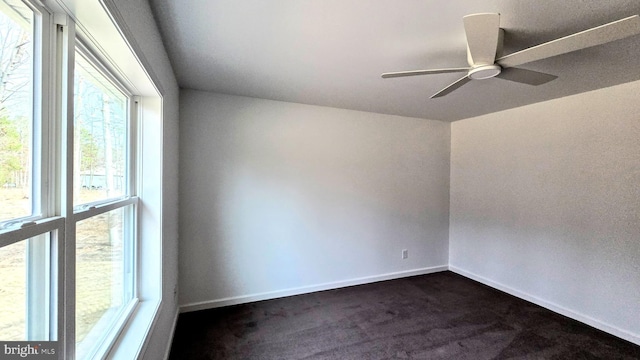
point(545, 204)
point(139, 22)
point(279, 198)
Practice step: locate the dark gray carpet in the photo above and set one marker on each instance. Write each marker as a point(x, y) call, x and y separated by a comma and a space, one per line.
point(436, 316)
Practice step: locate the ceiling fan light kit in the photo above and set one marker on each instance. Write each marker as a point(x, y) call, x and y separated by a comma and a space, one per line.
point(484, 51)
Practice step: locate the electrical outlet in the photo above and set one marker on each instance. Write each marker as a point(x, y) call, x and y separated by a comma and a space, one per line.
point(405, 253)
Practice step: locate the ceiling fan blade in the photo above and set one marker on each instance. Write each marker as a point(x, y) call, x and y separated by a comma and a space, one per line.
point(423, 72)
point(458, 83)
point(483, 32)
point(595, 36)
point(525, 76)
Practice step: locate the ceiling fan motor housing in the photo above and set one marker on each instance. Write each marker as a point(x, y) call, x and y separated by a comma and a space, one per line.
point(484, 72)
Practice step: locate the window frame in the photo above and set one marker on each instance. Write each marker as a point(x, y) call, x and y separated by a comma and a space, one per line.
point(43, 219)
point(50, 307)
point(130, 189)
point(86, 211)
point(42, 203)
point(106, 341)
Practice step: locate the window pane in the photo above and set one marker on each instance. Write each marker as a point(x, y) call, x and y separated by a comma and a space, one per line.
point(24, 294)
point(100, 136)
point(103, 274)
point(16, 110)
point(13, 272)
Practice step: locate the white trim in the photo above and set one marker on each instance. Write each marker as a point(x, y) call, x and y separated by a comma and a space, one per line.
point(128, 36)
point(132, 342)
point(150, 278)
point(152, 323)
point(104, 333)
point(174, 324)
point(234, 300)
point(616, 331)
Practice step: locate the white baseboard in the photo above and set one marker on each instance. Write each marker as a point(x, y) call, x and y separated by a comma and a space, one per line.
point(613, 330)
point(167, 352)
point(306, 289)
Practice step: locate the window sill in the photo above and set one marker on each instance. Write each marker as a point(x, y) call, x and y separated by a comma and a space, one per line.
point(132, 340)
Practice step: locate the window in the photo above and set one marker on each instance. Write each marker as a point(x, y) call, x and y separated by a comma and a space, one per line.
point(27, 295)
point(16, 110)
point(102, 194)
point(100, 135)
point(70, 160)
point(13, 270)
point(25, 263)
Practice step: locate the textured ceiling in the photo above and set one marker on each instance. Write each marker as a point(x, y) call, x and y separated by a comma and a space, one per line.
point(332, 52)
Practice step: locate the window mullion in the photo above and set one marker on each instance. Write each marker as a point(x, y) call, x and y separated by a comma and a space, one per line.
point(65, 56)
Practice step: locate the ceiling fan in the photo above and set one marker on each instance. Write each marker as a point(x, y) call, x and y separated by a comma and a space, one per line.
point(484, 51)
